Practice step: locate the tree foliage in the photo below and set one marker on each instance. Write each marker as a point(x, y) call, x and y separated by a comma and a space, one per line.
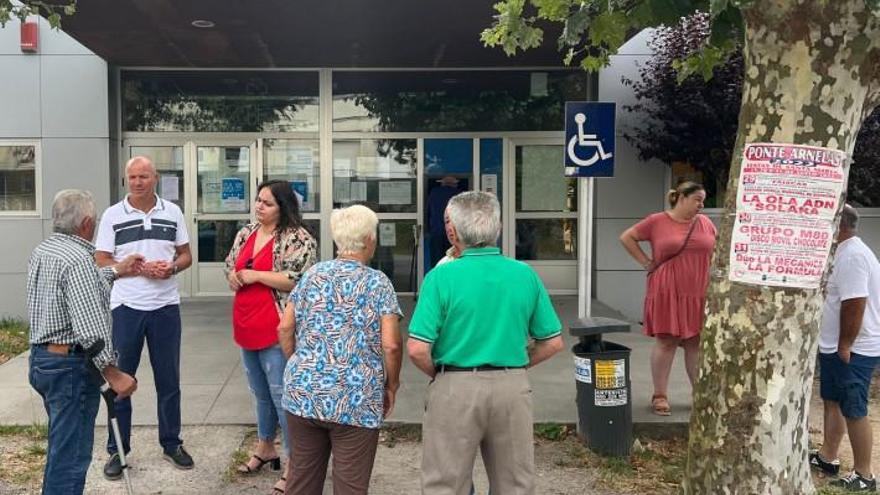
point(21, 10)
point(695, 120)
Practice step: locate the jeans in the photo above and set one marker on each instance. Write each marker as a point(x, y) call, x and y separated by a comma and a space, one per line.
point(265, 373)
point(161, 329)
point(71, 396)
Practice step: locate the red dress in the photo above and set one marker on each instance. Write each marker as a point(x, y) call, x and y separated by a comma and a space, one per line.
point(254, 315)
point(676, 295)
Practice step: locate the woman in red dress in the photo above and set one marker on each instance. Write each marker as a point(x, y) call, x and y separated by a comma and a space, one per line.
point(266, 261)
point(682, 241)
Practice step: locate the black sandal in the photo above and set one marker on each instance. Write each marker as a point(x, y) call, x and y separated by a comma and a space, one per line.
point(274, 463)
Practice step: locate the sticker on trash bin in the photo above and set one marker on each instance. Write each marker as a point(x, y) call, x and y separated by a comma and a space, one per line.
point(610, 374)
point(609, 398)
point(583, 371)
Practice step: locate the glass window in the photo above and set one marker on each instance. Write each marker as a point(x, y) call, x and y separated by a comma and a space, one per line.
point(445, 101)
point(540, 184)
point(220, 101)
point(18, 178)
point(491, 169)
point(546, 239)
point(216, 238)
point(169, 163)
point(378, 173)
point(394, 253)
point(224, 179)
point(296, 161)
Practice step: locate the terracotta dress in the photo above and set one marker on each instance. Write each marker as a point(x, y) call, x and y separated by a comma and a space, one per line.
point(676, 294)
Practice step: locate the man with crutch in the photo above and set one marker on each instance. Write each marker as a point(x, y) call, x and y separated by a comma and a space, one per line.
point(68, 300)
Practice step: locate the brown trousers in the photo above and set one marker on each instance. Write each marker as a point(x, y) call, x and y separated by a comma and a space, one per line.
point(311, 443)
point(489, 410)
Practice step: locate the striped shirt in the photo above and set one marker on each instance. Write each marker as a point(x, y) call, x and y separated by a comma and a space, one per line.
point(68, 296)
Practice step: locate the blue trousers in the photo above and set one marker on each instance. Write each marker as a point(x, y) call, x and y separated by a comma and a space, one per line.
point(71, 396)
point(161, 330)
point(265, 374)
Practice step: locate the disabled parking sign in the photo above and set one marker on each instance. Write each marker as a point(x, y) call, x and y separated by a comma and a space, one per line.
point(589, 139)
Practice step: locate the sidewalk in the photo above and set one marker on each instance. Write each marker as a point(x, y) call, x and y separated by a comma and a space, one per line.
point(214, 391)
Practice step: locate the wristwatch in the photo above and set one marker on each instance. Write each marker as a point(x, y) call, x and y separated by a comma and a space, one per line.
point(174, 269)
point(115, 272)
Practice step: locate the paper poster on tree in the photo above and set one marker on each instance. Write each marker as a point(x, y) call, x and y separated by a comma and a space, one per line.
point(784, 225)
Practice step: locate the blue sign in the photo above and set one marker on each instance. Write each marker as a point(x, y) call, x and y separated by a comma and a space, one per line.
point(589, 139)
point(233, 188)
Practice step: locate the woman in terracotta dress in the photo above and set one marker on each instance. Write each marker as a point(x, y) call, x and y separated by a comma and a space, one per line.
point(682, 241)
point(266, 261)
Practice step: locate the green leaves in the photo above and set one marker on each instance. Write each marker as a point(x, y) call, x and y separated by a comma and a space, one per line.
point(511, 30)
point(26, 8)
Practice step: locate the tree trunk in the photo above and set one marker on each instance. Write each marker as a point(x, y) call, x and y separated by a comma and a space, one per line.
point(809, 70)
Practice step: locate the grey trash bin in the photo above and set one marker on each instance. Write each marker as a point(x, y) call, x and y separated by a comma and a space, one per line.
point(602, 378)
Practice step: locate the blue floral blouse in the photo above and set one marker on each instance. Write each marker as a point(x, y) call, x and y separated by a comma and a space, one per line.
point(336, 373)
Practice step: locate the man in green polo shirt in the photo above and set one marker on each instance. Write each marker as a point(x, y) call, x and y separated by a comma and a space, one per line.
point(470, 333)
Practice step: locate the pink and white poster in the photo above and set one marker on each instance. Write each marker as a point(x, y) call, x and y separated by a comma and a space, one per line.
point(788, 195)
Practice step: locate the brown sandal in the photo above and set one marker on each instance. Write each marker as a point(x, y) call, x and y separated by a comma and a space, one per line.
point(660, 405)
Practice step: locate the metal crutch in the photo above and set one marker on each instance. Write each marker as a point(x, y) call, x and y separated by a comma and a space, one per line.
point(109, 398)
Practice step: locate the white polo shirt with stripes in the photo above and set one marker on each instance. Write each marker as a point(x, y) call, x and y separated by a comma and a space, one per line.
point(156, 234)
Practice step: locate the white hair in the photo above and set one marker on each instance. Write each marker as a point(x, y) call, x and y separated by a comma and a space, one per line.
point(350, 226)
point(140, 159)
point(70, 208)
point(476, 216)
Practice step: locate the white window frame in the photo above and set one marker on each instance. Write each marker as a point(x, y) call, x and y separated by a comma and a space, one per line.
point(38, 180)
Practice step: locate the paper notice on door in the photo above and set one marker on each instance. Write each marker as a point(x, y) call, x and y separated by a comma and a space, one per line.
point(395, 193)
point(489, 183)
point(387, 234)
point(358, 192)
point(232, 195)
point(169, 187)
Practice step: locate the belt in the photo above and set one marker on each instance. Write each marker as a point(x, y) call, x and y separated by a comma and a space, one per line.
point(63, 349)
point(444, 368)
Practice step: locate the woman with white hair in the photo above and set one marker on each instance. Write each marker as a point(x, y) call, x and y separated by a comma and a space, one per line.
point(341, 334)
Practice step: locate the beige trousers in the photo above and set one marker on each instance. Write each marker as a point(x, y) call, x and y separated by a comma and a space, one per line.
point(489, 410)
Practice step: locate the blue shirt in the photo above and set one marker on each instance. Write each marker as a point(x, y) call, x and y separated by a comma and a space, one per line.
point(337, 373)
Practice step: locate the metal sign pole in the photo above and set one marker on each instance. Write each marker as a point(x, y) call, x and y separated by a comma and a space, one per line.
point(585, 242)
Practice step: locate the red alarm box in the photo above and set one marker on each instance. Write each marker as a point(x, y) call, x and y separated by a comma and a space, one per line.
point(30, 36)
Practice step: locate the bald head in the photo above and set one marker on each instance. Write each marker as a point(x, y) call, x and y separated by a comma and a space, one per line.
point(141, 179)
point(849, 223)
point(140, 161)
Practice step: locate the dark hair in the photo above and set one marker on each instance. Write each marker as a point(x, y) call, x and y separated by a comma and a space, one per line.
point(683, 189)
point(289, 216)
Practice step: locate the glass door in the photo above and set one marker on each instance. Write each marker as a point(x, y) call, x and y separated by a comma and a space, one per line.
point(543, 214)
point(222, 186)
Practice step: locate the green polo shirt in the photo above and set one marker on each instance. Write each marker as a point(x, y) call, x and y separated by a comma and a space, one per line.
point(481, 309)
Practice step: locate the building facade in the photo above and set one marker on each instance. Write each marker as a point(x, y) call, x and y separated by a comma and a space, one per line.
point(385, 132)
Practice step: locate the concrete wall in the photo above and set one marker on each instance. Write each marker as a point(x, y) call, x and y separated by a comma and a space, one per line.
point(636, 190)
point(57, 97)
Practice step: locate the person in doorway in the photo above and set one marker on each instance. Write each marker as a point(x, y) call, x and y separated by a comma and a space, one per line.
point(438, 198)
point(266, 261)
point(682, 240)
point(470, 333)
point(341, 333)
point(147, 307)
point(849, 351)
point(68, 302)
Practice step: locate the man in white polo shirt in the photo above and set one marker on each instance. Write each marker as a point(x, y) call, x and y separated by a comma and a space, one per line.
point(849, 351)
point(147, 307)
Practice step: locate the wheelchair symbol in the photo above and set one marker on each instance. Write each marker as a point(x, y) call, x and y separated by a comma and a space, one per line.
point(586, 141)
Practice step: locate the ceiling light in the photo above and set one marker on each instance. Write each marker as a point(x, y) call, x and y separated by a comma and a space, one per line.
point(202, 23)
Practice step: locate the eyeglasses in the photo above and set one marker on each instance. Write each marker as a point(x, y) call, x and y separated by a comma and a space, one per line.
point(249, 264)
